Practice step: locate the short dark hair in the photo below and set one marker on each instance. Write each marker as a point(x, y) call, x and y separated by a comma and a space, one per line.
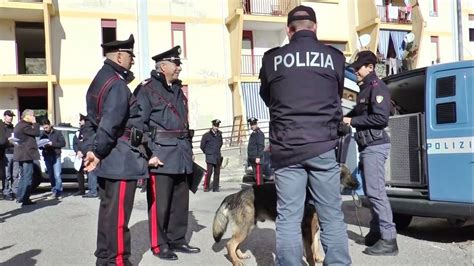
point(46, 122)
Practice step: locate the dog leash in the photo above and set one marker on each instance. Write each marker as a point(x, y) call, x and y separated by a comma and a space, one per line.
point(357, 204)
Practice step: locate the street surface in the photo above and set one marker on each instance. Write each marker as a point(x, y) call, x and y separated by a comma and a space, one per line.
point(63, 232)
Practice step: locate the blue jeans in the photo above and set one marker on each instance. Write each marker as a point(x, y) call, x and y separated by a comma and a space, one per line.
point(12, 170)
point(92, 183)
point(322, 173)
point(53, 166)
point(24, 185)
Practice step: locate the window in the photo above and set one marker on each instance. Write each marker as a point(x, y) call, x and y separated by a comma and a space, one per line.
point(446, 113)
point(446, 87)
point(109, 31)
point(433, 8)
point(178, 36)
point(434, 50)
point(471, 35)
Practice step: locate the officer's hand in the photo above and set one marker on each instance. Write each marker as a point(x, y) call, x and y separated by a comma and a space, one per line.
point(347, 120)
point(257, 160)
point(90, 162)
point(155, 162)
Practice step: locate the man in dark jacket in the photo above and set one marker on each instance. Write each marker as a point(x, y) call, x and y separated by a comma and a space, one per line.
point(25, 153)
point(164, 110)
point(255, 147)
point(112, 134)
point(302, 84)
point(370, 116)
point(52, 157)
point(211, 143)
point(10, 181)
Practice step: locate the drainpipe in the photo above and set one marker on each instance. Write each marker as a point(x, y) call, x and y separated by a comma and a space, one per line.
point(460, 47)
point(143, 52)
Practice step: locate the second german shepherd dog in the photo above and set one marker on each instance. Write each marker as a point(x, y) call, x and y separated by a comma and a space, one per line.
point(259, 203)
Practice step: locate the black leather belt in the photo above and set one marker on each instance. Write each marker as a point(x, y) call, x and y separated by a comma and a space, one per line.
point(168, 134)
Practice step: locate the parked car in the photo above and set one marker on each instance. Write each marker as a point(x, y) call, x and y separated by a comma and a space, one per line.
point(68, 173)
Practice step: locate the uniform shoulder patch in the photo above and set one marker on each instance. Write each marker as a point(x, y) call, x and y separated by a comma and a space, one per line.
point(271, 50)
point(379, 98)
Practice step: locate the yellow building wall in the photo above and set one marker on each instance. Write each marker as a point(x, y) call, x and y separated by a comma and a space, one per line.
point(7, 47)
point(77, 55)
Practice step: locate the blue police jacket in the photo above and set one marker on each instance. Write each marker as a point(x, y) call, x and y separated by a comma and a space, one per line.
point(302, 84)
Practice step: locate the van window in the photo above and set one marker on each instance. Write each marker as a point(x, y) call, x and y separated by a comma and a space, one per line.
point(446, 113)
point(446, 87)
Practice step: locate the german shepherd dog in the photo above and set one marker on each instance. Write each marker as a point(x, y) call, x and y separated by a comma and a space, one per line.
point(259, 203)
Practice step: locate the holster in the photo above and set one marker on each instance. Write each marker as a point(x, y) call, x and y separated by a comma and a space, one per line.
point(367, 136)
point(136, 136)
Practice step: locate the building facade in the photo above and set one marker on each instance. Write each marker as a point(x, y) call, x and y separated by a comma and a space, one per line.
point(51, 48)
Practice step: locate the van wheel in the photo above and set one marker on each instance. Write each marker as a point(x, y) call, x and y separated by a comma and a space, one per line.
point(37, 177)
point(402, 221)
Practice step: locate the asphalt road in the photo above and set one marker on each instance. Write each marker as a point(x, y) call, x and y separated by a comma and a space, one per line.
point(63, 232)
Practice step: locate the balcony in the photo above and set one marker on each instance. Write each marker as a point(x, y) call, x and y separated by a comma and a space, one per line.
point(269, 7)
point(22, 10)
point(394, 14)
point(250, 65)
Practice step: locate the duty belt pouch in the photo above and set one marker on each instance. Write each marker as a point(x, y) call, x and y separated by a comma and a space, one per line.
point(136, 136)
point(376, 134)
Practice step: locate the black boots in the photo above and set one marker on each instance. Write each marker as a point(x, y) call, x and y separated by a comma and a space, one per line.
point(383, 247)
point(371, 238)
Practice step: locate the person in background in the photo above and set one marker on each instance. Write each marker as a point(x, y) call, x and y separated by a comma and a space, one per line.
point(10, 177)
point(25, 153)
point(211, 143)
point(52, 157)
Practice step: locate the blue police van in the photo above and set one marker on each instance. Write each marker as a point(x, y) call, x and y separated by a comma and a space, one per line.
point(430, 170)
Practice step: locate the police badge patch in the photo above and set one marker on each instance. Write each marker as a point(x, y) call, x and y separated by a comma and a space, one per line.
point(379, 98)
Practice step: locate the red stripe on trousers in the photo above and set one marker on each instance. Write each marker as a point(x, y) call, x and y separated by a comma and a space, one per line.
point(121, 224)
point(258, 177)
point(154, 219)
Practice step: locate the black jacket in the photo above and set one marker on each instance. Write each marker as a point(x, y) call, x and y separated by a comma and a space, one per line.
point(256, 144)
point(6, 130)
point(211, 144)
point(27, 149)
point(373, 107)
point(164, 108)
point(78, 140)
point(302, 84)
point(57, 142)
point(111, 113)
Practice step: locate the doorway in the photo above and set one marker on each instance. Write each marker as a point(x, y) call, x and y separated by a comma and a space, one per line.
point(36, 100)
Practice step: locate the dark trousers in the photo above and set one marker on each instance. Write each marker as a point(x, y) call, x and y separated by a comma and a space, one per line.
point(217, 171)
point(24, 185)
point(168, 203)
point(113, 235)
point(80, 181)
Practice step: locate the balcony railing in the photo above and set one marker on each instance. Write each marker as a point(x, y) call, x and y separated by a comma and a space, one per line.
point(251, 65)
point(269, 7)
point(394, 14)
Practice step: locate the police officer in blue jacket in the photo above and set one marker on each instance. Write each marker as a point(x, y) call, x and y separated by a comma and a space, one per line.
point(370, 117)
point(211, 143)
point(112, 135)
point(164, 111)
point(302, 84)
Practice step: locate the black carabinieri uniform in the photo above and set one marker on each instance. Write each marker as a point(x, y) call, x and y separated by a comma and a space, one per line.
point(255, 148)
point(211, 144)
point(112, 113)
point(164, 111)
point(303, 123)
